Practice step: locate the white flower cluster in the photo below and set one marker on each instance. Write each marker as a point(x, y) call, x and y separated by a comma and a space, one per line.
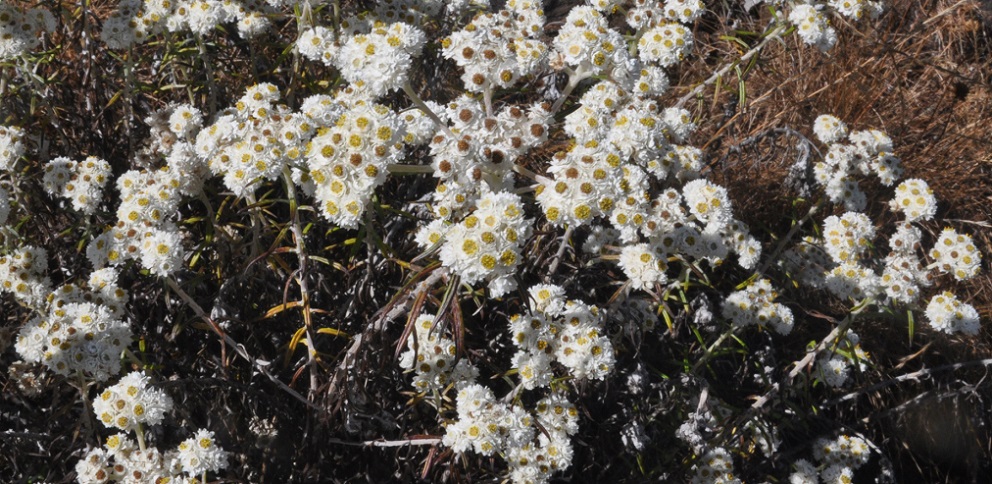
point(497, 49)
point(838, 459)
point(144, 231)
point(132, 403)
point(868, 152)
point(715, 467)
point(756, 305)
point(23, 273)
point(82, 332)
point(535, 462)
point(644, 265)
point(135, 21)
point(847, 237)
point(11, 147)
point(200, 454)
point(915, 200)
point(480, 151)
point(586, 184)
point(485, 245)
point(20, 30)
point(626, 145)
point(379, 57)
point(122, 460)
point(813, 25)
point(904, 274)
point(566, 331)
point(348, 160)
point(489, 427)
point(431, 356)
point(254, 140)
point(834, 368)
point(588, 45)
point(856, 9)
point(948, 314)
point(956, 254)
point(665, 44)
point(81, 182)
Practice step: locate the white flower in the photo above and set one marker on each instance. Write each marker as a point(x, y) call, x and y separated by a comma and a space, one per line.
point(848, 236)
point(162, 252)
point(829, 129)
point(201, 454)
point(185, 120)
point(915, 199)
point(667, 44)
point(132, 402)
point(11, 146)
point(643, 265)
point(947, 314)
point(956, 254)
point(755, 305)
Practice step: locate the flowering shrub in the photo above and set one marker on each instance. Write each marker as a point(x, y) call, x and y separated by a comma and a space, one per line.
point(328, 230)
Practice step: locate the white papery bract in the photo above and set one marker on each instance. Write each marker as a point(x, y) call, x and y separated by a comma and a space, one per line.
point(902, 277)
point(685, 11)
point(94, 467)
point(829, 129)
point(497, 49)
point(162, 252)
point(644, 265)
point(348, 160)
point(856, 9)
point(566, 331)
point(813, 26)
point(487, 243)
point(11, 146)
point(845, 451)
point(136, 21)
point(715, 466)
point(81, 182)
point(915, 200)
point(834, 368)
point(485, 424)
point(948, 314)
point(709, 203)
point(585, 184)
point(588, 44)
point(956, 254)
point(851, 280)
point(380, 58)
point(847, 237)
point(755, 305)
point(132, 402)
point(200, 454)
point(185, 120)
point(431, 356)
point(665, 44)
point(76, 339)
point(317, 44)
point(23, 273)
